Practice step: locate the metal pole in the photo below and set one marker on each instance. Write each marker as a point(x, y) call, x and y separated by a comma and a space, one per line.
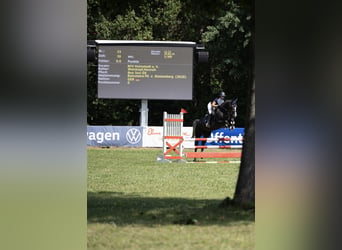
point(144, 113)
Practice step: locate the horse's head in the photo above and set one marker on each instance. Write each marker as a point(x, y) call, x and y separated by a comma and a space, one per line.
point(229, 111)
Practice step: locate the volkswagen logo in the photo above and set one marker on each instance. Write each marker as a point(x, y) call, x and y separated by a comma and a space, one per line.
point(133, 136)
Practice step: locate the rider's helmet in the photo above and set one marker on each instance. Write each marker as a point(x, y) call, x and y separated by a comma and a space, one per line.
point(222, 94)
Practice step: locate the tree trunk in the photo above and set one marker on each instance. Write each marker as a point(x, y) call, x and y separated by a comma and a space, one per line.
point(245, 188)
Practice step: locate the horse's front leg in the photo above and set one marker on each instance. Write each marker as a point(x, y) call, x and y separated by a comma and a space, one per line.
point(203, 144)
point(195, 149)
point(202, 149)
point(232, 124)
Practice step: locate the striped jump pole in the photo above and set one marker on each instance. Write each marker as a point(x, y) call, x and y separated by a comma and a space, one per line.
point(214, 146)
point(210, 139)
point(201, 155)
point(212, 154)
point(213, 162)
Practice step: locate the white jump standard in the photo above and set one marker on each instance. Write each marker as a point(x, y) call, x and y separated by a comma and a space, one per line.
point(172, 138)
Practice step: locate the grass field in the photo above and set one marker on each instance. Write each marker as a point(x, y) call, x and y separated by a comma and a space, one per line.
point(135, 202)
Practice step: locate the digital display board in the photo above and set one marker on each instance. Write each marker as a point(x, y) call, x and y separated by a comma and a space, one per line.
point(145, 70)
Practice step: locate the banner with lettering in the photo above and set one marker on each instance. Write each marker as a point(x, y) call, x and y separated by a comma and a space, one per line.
point(225, 136)
point(135, 136)
point(120, 136)
point(153, 136)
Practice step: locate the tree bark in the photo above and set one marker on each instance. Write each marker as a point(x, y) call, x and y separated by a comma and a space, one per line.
point(245, 188)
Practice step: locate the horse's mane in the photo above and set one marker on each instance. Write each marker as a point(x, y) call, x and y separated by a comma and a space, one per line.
point(226, 105)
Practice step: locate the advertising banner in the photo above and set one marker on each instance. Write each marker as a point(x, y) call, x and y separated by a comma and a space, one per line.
point(135, 136)
point(153, 136)
point(232, 138)
point(235, 136)
point(120, 136)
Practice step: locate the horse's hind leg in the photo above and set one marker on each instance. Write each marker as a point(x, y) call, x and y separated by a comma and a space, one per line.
point(195, 150)
point(202, 149)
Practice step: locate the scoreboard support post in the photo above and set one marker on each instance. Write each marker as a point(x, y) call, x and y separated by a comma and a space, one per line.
point(144, 113)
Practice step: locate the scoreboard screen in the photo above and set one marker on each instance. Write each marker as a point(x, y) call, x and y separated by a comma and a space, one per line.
point(145, 70)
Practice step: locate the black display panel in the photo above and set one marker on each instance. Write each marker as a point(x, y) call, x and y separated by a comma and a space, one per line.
point(145, 71)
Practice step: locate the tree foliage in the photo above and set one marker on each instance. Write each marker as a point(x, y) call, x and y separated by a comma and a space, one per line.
point(229, 42)
point(224, 27)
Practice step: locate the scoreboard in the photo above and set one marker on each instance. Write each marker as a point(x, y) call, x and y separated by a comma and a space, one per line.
point(145, 69)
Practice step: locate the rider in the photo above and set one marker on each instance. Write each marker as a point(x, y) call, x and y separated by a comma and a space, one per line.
point(213, 105)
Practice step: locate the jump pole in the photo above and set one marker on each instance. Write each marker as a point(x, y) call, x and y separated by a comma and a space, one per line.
point(214, 146)
point(212, 154)
point(213, 162)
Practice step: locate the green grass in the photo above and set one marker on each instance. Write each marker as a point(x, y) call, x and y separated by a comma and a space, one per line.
point(135, 202)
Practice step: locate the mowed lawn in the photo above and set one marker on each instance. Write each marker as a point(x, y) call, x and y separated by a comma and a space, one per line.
point(135, 202)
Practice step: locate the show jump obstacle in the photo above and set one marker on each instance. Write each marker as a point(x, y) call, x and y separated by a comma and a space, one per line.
point(173, 144)
point(172, 138)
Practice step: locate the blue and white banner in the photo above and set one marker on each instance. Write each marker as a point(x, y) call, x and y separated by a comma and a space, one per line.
point(135, 136)
point(235, 136)
point(120, 136)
